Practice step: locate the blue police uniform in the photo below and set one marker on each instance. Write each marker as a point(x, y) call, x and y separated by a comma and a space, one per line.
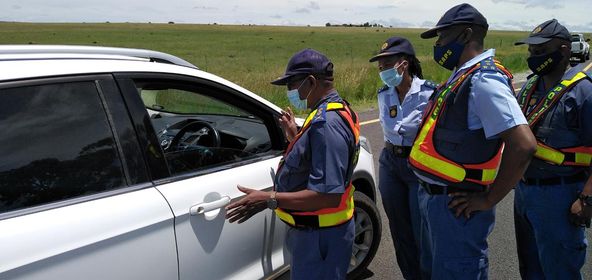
point(397, 184)
point(549, 246)
point(317, 162)
point(455, 247)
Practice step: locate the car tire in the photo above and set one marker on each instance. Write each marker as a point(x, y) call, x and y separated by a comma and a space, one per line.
point(368, 234)
point(587, 57)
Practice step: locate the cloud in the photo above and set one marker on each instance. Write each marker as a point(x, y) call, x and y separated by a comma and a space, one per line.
point(314, 6)
point(205, 8)
point(387, 7)
point(546, 4)
point(303, 11)
point(16, 7)
point(276, 17)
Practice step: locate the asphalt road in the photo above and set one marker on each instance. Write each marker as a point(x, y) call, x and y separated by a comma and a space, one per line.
point(503, 260)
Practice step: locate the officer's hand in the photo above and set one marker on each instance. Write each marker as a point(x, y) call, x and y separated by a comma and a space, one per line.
point(468, 203)
point(288, 123)
point(254, 202)
point(580, 214)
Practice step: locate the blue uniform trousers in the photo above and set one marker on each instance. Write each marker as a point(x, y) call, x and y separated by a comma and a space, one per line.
point(398, 188)
point(320, 253)
point(549, 246)
point(451, 247)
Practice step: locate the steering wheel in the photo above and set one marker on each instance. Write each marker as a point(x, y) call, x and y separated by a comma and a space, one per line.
point(201, 130)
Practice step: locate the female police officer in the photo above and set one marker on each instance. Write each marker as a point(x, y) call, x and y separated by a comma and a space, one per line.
point(313, 191)
point(401, 102)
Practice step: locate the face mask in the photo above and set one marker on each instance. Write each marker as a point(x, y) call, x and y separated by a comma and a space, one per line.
point(391, 77)
point(543, 64)
point(448, 55)
point(294, 98)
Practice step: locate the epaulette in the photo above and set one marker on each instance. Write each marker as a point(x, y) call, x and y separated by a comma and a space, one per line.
point(321, 114)
point(430, 84)
point(385, 87)
point(488, 65)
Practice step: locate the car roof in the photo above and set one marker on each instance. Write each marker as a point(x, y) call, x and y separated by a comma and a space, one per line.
point(29, 65)
point(76, 51)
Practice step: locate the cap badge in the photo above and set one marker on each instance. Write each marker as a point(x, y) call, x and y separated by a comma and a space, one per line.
point(384, 46)
point(537, 30)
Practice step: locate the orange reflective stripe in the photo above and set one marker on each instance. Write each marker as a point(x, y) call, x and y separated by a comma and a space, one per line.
point(424, 156)
point(328, 216)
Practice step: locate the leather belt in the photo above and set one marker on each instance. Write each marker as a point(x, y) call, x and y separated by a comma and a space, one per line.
point(399, 151)
point(580, 177)
point(437, 189)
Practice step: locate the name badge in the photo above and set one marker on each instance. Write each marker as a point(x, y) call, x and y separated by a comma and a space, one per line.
point(393, 111)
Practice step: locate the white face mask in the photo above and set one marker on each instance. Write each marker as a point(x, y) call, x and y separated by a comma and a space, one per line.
point(391, 77)
point(294, 98)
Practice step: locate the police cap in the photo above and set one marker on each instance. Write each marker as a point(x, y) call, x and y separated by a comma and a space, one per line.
point(545, 32)
point(459, 14)
point(306, 62)
point(392, 46)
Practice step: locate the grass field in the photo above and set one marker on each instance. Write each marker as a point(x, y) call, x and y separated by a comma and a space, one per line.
point(252, 56)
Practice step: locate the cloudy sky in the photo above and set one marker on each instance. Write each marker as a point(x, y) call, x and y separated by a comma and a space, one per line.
point(501, 14)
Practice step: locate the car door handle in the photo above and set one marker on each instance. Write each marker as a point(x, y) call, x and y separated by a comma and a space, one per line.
point(209, 206)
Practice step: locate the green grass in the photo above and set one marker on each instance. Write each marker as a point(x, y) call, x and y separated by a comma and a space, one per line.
point(252, 56)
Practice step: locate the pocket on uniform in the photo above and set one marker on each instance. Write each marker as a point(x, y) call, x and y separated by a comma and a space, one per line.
point(575, 253)
point(466, 268)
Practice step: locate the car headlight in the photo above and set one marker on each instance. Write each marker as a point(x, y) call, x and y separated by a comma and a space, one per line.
point(365, 143)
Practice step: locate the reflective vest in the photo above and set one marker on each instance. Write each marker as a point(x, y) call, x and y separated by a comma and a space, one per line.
point(570, 156)
point(345, 210)
point(445, 149)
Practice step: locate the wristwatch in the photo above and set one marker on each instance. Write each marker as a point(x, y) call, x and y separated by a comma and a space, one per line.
point(272, 203)
point(587, 199)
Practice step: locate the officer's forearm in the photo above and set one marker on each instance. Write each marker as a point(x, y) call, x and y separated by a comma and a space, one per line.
point(520, 146)
point(307, 200)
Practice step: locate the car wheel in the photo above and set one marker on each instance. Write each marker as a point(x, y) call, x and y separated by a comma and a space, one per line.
point(587, 56)
point(368, 233)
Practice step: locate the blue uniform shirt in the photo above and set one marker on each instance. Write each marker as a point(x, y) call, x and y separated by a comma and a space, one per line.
point(492, 104)
point(400, 121)
point(570, 124)
point(319, 160)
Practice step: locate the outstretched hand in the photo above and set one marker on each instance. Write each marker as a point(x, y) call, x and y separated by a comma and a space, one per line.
point(288, 123)
point(467, 203)
point(254, 202)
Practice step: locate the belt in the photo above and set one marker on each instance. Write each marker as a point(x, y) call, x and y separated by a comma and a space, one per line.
point(399, 151)
point(580, 177)
point(437, 189)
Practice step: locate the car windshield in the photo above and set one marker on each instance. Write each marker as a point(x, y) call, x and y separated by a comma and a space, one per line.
point(575, 38)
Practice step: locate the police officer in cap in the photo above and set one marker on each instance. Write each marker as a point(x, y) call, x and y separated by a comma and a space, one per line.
point(472, 128)
point(557, 103)
point(313, 192)
point(400, 103)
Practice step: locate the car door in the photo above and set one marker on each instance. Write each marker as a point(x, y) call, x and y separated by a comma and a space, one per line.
point(75, 201)
point(210, 138)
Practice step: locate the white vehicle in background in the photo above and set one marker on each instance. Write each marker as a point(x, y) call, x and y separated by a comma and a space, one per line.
point(117, 164)
point(580, 48)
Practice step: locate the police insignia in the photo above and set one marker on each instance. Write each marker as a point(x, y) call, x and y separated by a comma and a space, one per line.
point(384, 46)
point(533, 102)
point(393, 111)
point(537, 30)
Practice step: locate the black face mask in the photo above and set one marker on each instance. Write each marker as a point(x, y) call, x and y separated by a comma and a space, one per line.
point(543, 64)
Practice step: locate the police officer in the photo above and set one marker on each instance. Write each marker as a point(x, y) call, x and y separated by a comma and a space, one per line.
point(557, 102)
point(313, 192)
point(400, 103)
point(472, 120)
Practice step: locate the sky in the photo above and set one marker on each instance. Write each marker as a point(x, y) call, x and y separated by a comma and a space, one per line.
point(501, 14)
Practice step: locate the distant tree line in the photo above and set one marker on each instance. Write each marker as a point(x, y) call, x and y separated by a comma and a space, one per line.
point(365, 24)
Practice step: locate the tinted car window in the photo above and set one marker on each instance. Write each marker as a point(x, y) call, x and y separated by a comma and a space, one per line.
point(56, 144)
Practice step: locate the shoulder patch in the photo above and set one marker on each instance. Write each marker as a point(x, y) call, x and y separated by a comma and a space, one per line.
point(385, 87)
point(488, 65)
point(430, 84)
point(321, 115)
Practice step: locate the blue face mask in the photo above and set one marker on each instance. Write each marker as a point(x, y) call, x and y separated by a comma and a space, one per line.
point(294, 98)
point(391, 77)
point(448, 55)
